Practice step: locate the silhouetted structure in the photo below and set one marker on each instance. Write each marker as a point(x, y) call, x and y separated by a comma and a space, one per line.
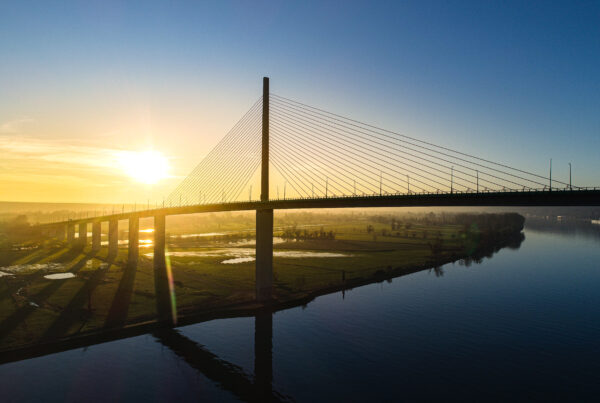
point(330, 162)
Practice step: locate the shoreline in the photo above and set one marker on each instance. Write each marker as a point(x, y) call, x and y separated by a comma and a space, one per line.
point(189, 317)
point(292, 286)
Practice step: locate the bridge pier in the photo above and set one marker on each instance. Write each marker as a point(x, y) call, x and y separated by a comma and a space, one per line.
point(82, 234)
point(164, 308)
point(134, 240)
point(70, 233)
point(113, 238)
point(264, 218)
point(96, 235)
point(264, 254)
point(60, 232)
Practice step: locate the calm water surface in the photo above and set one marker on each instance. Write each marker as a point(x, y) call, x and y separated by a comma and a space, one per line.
point(522, 325)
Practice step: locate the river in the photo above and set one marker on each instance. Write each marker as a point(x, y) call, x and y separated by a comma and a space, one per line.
point(522, 325)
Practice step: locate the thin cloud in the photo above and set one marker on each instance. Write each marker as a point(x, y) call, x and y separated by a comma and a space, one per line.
point(52, 151)
point(14, 126)
point(35, 152)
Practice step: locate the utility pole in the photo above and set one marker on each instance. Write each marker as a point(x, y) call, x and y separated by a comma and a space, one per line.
point(408, 184)
point(570, 187)
point(326, 186)
point(354, 187)
point(380, 182)
point(284, 187)
point(451, 180)
point(477, 171)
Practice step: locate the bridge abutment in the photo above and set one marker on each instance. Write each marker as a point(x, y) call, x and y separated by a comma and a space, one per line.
point(96, 235)
point(113, 238)
point(264, 254)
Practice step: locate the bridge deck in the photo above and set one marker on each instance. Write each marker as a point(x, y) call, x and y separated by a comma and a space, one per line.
point(524, 198)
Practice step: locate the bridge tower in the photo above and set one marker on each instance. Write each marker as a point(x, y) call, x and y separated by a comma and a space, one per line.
point(264, 217)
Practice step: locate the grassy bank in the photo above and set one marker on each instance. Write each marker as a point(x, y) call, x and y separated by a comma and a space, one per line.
point(107, 294)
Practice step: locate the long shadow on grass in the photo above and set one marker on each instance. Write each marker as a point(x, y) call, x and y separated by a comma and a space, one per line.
point(76, 311)
point(58, 255)
point(28, 257)
point(16, 318)
point(117, 314)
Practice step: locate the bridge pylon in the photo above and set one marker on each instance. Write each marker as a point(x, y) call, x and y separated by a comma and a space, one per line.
point(264, 217)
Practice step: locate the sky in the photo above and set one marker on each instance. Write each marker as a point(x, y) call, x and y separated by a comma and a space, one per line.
point(84, 84)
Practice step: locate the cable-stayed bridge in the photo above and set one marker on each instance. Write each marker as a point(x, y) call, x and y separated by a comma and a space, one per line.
point(319, 159)
point(321, 155)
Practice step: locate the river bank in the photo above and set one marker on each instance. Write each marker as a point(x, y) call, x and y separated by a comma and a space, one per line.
point(103, 295)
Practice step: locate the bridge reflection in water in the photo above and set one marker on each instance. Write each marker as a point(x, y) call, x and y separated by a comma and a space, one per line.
point(227, 375)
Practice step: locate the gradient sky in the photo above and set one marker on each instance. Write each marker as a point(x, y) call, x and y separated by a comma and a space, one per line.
point(515, 82)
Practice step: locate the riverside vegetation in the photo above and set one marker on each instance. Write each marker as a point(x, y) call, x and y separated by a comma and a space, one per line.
point(211, 259)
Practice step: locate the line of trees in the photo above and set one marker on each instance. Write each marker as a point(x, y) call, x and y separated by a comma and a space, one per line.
point(298, 235)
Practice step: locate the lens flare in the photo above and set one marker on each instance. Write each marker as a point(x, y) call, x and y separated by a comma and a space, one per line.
point(171, 288)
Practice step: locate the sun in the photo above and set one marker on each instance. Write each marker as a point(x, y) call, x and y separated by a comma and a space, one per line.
point(147, 167)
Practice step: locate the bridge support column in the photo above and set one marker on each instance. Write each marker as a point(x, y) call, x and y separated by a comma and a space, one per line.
point(82, 234)
point(264, 254)
point(96, 235)
point(113, 238)
point(70, 233)
point(165, 307)
point(60, 232)
point(264, 218)
point(134, 240)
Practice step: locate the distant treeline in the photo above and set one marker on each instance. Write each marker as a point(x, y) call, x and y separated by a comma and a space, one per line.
point(482, 220)
point(484, 234)
point(498, 223)
point(17, 233)
point(302, 235)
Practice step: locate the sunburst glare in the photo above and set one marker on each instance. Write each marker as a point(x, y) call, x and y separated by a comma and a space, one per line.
point(147, 167)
